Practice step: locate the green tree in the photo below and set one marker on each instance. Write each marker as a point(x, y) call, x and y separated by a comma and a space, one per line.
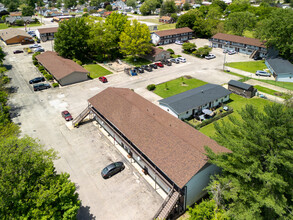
point(118, 21)
point(256, 180)
point(81, 2)
point(108, 8)
point(187, 19)
point(135, 40)
point(70, 3)
point(238, 22)
point(206, 210)
point(148, 7)
point(277, 32)
point(168, 7)
point(202, 51)
point(30, 188)
point(27, 11)
point(2, 57)
point(131, 3)
point(219, 3)
point(174, 17)
point(186, 6)
point(189, 47)
point(71, 39)
point(12, 6)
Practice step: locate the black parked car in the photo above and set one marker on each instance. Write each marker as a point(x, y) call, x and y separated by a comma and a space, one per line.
point(41, 86)
point(112, 169)
point(37, 80)
point(154, 66)
point(147, 68)
point(166, 62)
point(139, 69)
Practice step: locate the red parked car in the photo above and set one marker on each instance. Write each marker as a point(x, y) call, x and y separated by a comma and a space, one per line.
point(65, 114)
point(103, 79)
point(159, 64)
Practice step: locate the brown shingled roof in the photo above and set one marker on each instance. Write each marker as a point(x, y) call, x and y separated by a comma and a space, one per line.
point(58, 66)
point(176, 148)
point(173, 31)
point(9, 33)
point(239, 39)
point(48, 30)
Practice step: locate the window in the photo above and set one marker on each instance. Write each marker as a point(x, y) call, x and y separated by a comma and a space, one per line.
point(187, 112)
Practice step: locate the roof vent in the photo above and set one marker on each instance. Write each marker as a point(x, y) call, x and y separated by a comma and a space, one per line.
point(201, 91)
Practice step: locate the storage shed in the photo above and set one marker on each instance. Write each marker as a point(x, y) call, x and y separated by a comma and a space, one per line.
point(240, 88)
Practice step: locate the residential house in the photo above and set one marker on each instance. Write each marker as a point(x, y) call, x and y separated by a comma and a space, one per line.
point(65, 71)
point(15, 36)
point(166, 20)
point(3, 11)
point(168, 150)
point(46, 33)
point(240, 88)
point(251, 46)
point(189, 103)
point(281, 68)
point(11, 20)
point(52, 13)
point(170, 36)
point(157, 54)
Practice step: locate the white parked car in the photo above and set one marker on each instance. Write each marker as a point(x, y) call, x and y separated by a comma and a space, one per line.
point(178, 42)
point(39, 49)
point(181, 59)
point(231, 52)
point(35, 46)
point(210, 56)
point(262, 73)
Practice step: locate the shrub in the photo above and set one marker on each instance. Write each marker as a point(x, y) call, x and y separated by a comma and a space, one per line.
point(48, 76)
point(151, 87)
point(41, 68)
point(19, 22)
point(161, 48)
point(35, 62)
point(171, 51)
point(55, 85)
point(44, 72)
point(79, 62)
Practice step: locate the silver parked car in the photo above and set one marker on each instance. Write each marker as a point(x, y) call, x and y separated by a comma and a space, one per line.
point(262, 73)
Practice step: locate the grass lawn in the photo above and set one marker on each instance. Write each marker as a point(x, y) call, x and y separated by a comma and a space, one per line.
point(177, 86)
point(250, 66)
point(152, 20)
point(236, 102)
point(136, 61)
point(5, 26)
point(166, 26)
point(96, 70)
point(285, 85)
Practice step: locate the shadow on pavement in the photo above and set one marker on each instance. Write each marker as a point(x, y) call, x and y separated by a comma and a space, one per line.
point(85, 214)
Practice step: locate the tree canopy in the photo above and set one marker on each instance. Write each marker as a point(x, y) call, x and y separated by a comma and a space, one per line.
point(30, 188)
point(277, 31)
point(257, 177)
point(168, 7)
point(135, 40)
point(71, 38)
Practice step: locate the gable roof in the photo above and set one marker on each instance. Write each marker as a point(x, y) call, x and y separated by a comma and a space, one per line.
point(173, 31)
point(280, 65)
point(194, 98)
point(239, 39)
point(239, 84)
point(9, 33)
point(48, 30)
point(165, 18)
point(58, 66)
point(156, 51)
point(174, 147)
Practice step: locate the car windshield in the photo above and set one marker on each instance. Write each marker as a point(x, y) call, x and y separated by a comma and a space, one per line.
point(67, 114)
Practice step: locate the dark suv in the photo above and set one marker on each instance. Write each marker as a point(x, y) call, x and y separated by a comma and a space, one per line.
point(41, 86)
point(37, 80)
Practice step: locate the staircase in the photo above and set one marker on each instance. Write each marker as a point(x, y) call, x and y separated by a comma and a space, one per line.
point(252, 55)
point(81, 116)
point(167, 206)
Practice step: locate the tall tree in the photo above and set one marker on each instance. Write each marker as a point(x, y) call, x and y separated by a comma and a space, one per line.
point(70, 3)
point(148, 7)
point(30, 188)
point(187, 19)
point(168, 7)
point(118, 21)
point(71, 39)
point(135, 40)
point(27, 11)
point(277, 31)
point(257, 177)
point(238, 22)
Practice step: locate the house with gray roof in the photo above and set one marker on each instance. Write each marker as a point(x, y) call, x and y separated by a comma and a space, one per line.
point(240, 88)
point(281, 69)
point(187, 104)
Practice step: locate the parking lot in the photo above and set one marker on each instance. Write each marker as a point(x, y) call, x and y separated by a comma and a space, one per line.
point(85, 151)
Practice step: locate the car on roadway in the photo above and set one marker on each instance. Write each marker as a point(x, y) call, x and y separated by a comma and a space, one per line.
point(153, 66)
point(41, 86)
point(262, 73)
point(210, 56)
point(39, 49)
point(103, 79)
point(18, 51)
point(35, 46)
point(174, 60)
point(66, 115)
point(159, 64)
point(112, 169)
point(181, 59)
point(37, 80)
point(178, 42)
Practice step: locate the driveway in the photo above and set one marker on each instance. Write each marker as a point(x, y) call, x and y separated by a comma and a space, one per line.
point(83, 152)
